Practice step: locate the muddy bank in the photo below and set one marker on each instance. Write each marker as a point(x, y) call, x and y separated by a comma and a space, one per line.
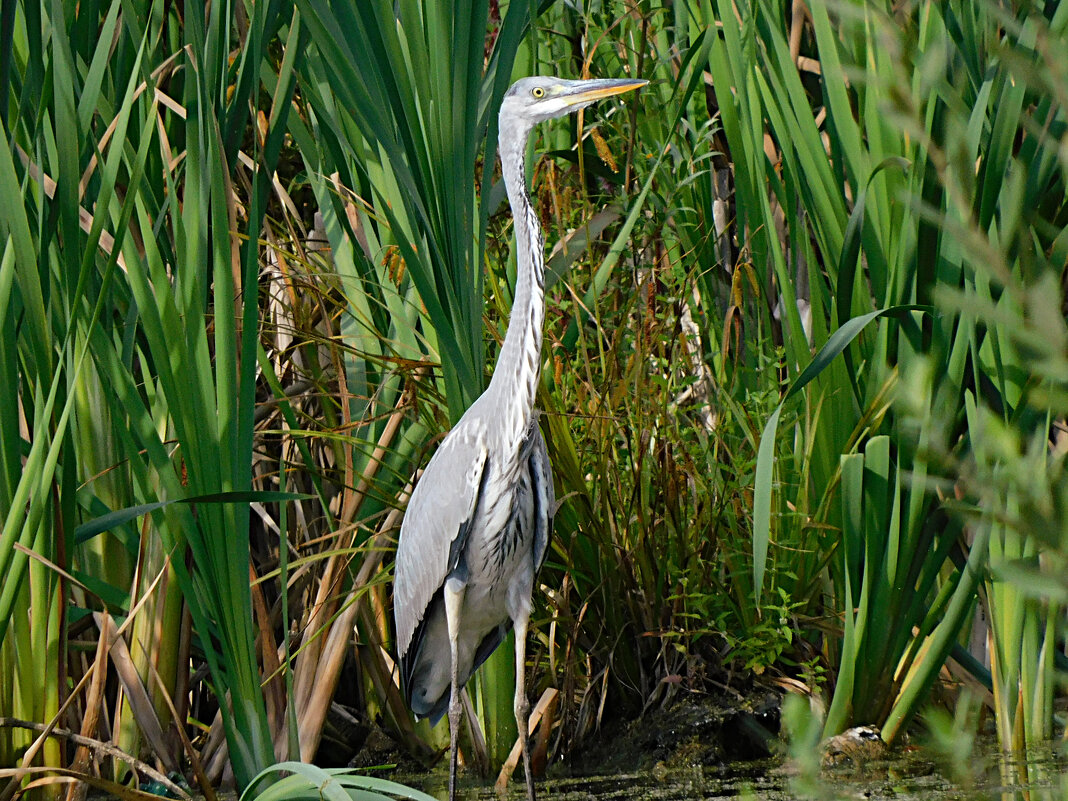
point(696, 730)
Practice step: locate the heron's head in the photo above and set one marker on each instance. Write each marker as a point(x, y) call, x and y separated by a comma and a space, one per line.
point(533, 100)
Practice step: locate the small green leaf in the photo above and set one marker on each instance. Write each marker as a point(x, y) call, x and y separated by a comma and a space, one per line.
point(118, 517)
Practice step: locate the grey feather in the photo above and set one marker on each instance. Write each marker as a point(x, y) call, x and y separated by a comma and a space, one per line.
point(442, 503)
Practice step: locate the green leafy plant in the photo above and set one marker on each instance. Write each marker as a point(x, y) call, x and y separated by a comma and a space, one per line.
point(953, 736)
point(877, 125)
point(303, 781)
point(147, 324)
point(804, 387)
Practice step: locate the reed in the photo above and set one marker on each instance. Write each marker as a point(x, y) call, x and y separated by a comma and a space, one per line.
point(127, 227)
point(871, 118)
point(804, 386)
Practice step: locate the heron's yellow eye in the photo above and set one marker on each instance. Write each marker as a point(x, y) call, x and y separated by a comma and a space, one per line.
point(538, 92)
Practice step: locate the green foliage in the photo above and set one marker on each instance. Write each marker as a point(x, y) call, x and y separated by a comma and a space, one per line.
point(401, 108)
point(803, 730)
point(952, 736)
point(304, 781)
point(147, 326)
point(895, 122)
point(806, 359)
point(766, 641)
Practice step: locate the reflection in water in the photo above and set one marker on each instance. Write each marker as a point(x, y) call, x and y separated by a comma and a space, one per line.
point(909, 776)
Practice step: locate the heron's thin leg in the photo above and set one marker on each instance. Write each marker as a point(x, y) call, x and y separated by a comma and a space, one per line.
point(454, 600)
point(522, 706)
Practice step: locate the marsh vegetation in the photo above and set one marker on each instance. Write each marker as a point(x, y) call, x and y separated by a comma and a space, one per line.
point(804, 390)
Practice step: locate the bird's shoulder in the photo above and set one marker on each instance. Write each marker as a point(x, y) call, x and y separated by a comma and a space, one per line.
point(457, 464)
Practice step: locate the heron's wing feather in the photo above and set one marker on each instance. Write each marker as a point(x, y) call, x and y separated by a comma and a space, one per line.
point(541, 484)
point(438, 515)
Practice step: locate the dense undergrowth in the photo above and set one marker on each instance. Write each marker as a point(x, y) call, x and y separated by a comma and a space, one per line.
point(804, 389)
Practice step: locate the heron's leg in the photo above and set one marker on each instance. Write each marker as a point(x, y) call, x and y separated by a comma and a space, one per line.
point(454, 601)
point(522, 706)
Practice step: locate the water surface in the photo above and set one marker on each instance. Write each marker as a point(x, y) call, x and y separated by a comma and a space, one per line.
point(914, 775)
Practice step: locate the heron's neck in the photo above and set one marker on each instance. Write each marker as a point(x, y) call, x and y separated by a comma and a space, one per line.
point(515, 378)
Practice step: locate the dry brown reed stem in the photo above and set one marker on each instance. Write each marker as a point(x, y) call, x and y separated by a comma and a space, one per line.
point(274, 687)
point(355, 224)
point(356, 498)
point(214, 753)
point(325, 673)
point(105, 749)
point(93, 702)
point(479, 756)
point(544, 707)
point(325, 602)
point(797, 25)
point(328, 591)
point(182, 697)
point(327, 668)
point(539, 756)
point(16, 775)
point(318, 667)
point(136, 693)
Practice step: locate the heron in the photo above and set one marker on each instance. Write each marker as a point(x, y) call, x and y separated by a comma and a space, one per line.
point(477, 526)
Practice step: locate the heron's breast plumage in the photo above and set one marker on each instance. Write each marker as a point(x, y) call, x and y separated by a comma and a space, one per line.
point(506, 534)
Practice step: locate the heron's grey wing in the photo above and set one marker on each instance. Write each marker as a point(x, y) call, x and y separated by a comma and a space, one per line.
point(439, 513)
point(541, 484)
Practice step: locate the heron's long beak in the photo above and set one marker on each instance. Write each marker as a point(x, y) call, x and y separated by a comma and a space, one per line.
point(589, 91)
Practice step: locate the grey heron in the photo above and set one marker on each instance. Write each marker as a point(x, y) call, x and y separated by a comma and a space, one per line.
point(477, 525)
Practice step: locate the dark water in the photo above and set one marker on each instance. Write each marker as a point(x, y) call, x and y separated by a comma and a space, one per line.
point(911, 776)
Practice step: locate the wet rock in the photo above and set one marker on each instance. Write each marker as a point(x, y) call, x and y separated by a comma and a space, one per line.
point(853, 748)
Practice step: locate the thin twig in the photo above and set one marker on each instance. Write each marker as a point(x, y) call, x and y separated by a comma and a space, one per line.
point(96, 746)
